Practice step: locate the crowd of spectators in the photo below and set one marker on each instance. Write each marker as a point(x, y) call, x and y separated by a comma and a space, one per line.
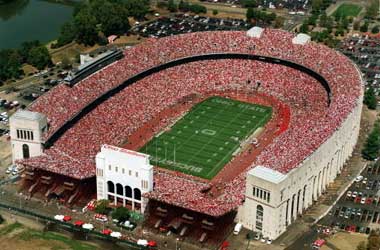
point(312, 120)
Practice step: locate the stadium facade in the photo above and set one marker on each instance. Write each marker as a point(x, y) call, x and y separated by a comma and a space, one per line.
point(316, 94)
point(274, 200)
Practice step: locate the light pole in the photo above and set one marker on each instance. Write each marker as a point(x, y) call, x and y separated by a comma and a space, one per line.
point(176, 243)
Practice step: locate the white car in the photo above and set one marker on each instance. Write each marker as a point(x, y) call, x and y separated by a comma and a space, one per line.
point(10, 169)
point(363, 200)
point(269, 241)
point(349, 194)
point(142, 242)
point(359, 178)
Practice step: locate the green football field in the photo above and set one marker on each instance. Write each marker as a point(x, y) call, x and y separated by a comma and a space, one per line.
point(205, 139)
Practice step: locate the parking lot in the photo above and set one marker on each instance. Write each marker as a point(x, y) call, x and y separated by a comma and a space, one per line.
point(185, 23)
point(289, 4)
point(365, 52)
point(358, 209)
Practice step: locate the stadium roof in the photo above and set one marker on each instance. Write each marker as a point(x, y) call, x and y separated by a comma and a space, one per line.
point(28, 115)
point(301, 39)
point(255, 32)
point(267, 174)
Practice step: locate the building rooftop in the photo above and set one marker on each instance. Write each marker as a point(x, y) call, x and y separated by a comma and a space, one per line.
point(28, 115)
point(267, 174)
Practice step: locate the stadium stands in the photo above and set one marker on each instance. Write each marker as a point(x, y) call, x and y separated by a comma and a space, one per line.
point(312, 120)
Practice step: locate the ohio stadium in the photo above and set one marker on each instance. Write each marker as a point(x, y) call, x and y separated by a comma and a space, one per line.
point(198, 130)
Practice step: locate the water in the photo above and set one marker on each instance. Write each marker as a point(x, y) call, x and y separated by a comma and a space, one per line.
point(26, 20)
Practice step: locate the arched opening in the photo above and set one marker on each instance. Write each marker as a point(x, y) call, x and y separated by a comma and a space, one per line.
point(128, 191)
point(137, 194)
point(259, 218)
point(110, 187)
point(119, 189)
point(25, 151)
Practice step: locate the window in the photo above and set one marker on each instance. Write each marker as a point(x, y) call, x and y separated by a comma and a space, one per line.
point(265, 195)
point(137, 194)
point(261, 194)
point(254, 191)
point(122, 170)
point(259, 218)
point(111, 187)
point(116, 168)
point(18, 134)
point(31, 135)
point(119, 189)
point(128, 191)
point(130, 172)
point(137, 174)
point(268, 198)
point(109, 167)
point(25, 151)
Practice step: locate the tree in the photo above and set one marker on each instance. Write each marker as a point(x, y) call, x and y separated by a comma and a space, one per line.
point(370, 98)
point(250, 14)
point(85, 24)
point(197, 8)
point(304, 28)
point(375, 30)
point(172, 7)
point(120, 214)
point(102, 207)
point(215, 12)
point(1, 219)
point(372, 146)
point(10, 64)
point(67, 34)
point(39, 57)
point(137, 8)
point(26, 47)
point(115, 22)
point(249, 3)
point(364, 27)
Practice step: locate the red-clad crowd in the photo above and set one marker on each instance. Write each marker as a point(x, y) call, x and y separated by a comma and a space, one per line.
point(312, 121)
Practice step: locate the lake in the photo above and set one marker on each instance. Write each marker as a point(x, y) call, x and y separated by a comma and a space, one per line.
point(26, 20)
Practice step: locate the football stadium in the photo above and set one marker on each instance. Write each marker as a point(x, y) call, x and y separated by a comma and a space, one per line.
point(198, 131)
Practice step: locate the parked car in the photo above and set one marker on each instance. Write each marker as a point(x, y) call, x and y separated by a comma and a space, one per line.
point(237, 228)
point(359, 178)
point(363, 200)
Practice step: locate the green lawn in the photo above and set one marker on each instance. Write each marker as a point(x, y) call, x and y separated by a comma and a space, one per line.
point(205, 139)
point(29, 234)
point(347, 9)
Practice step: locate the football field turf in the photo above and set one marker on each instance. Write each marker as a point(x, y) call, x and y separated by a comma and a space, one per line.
point(205, 139)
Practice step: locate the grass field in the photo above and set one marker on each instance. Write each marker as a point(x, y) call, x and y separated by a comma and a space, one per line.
point(205, 139)
point(347, 9)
